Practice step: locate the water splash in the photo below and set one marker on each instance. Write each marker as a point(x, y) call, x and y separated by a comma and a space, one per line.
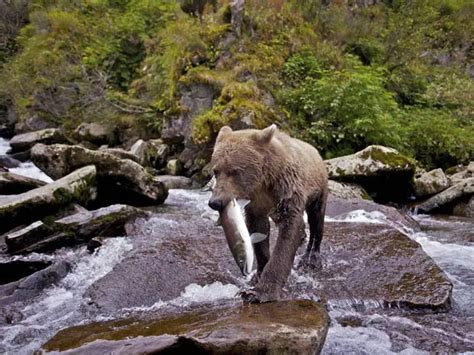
point(59, 306)
point(4, 146)
point(29, 169)
point(193, 294)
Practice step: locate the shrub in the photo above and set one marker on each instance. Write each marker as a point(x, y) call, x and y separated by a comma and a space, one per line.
point(346, 110)
point(436, 138)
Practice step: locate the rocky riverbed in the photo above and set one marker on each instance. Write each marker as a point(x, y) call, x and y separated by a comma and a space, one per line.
point(390, 282)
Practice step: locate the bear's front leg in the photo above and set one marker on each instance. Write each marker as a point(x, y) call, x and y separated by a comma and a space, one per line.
point(258, 223)
point(278, 268)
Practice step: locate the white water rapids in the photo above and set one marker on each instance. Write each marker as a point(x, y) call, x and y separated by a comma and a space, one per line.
point(60, 306)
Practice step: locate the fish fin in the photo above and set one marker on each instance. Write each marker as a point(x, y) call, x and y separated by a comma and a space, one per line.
point(242, 203)
point(258, 237)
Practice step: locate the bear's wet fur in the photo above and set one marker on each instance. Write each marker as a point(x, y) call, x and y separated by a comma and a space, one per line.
point(282, 177)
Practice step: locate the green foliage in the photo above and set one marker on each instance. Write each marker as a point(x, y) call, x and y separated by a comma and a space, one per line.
point(436, 138)
point(336, 73)
point(345, 110)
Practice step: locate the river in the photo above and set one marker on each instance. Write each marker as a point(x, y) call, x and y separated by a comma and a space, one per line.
point(366, 329)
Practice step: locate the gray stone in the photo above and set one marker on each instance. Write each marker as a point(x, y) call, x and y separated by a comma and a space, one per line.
point(8, 162)
point(462, 189)
point(347, 190)
point(79, 186)
point(119, 180)
point(194, 100)
point(374, 160)
point(383, 172)
point(27, 140)
point(74, 229)
point(96, 133)
point(431, 183)
point(174, 167)
point(121, 154)
point(153, 153)
point(11, 184)
point(286, 327)
point(461, 173)
point(175, 182)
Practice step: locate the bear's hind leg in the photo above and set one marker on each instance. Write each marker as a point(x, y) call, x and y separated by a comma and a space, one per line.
point(315, 211)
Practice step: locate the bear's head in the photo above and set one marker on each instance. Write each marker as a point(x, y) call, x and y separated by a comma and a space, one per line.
point(239, 164)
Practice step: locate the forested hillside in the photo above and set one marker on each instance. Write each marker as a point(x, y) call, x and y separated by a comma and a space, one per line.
point(341, 74)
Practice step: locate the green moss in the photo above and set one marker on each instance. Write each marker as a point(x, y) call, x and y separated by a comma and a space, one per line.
point(392, 159)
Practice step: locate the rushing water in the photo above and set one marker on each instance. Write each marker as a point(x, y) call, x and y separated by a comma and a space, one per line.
point(27, 168)
point(371, 331)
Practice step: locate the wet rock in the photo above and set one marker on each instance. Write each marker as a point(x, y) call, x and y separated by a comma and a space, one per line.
point(175, 182)
point(152, 153)
point(431, 183)
point(9, 162)
point(443, 200)
point(464, 209)
point(363, 263)
point(11, 184)
point(32, 285)
point(105, 222)
point(290, 327)
point(23, 237)
point(338, 207)
point(383, 172)
point(347, 190)
point(369, 265)
point(17, 269)
point(94, 244)
point(79, 186)
point(74, 229)
point(27, 140)
point(21, 156)
point(96, 133)
point(174, 167)
point(119, 180)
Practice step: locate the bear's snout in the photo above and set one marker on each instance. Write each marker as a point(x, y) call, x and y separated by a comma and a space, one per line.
point(216, 204)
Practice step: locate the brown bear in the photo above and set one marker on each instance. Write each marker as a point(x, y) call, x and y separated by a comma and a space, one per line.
point(282, 177)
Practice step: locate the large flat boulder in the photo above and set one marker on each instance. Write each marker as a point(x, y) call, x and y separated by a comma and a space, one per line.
point(384, 172)
point(119, 180)
point(79, 186)
point(363, 262)
point(25, 141)
point(288, 327)
point(11, 184)
point(74, 229)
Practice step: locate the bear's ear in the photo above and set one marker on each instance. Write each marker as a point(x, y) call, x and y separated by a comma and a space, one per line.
point(223, 132)
point(266, 135)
